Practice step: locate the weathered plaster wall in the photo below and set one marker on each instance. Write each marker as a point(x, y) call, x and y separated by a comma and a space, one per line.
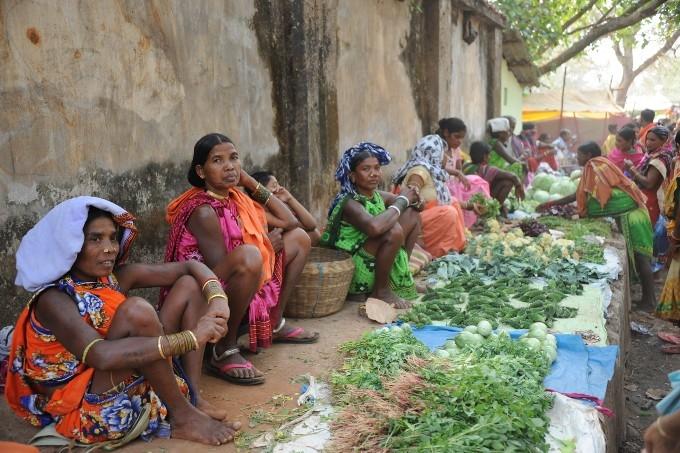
point(511, 96)
point(107, 98)
point(375, 98)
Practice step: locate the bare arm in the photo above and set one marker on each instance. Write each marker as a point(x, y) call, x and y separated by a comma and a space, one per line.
point(57, 312)
point(373, 226)
point(500, 149)
point(651, 181)
point(305, 218)
point(276, 207)
point(131, 276)
point(562, 201)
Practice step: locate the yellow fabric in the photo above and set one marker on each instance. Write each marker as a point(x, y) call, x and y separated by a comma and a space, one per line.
point(537, 116)
point(427, 192)
point(609, 144)
point(464, 156)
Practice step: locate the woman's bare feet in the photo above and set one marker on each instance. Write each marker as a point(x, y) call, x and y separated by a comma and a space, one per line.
point(392, 299)
point(207, 408)
point(196, 426)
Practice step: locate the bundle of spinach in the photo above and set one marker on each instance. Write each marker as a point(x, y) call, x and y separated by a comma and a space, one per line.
point(491, 208)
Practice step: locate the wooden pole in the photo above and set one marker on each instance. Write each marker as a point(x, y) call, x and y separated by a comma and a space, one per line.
point(564, 83)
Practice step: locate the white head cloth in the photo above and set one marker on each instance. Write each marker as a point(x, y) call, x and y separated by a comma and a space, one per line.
point(498, 124)
point(50, 248)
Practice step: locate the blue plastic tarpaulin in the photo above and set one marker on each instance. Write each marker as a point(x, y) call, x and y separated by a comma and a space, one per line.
point(578, 369)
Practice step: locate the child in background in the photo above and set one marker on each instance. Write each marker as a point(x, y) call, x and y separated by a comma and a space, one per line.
point(307, 221)
point(500, 181)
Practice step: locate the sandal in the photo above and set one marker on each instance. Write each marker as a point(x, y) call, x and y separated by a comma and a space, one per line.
point(294, 335)
point(221, 371)
point(669, 337)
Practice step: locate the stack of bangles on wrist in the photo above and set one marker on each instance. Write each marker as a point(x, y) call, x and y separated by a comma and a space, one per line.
point(177, 344)
point(261, 194)
point(212, 289)
point(398, 205)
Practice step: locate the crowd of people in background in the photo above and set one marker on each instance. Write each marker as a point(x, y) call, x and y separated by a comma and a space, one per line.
point(86, 352)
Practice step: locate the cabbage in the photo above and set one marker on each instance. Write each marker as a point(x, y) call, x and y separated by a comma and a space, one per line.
point(541, 196)
point(543, 181)
point(463, 339)
point(554, 196)
point(484, 328)
point(575, 174)
point(532, 343)
point(471, 329)
point(538, 334)
point(443, 353)
point(563, 187)
point(538, 325)
point(529, 193)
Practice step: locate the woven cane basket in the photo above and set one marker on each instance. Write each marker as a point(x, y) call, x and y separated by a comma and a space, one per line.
point(323, 285)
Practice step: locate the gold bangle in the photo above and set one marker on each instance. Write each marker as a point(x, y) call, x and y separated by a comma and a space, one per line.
point(660, 429)
point(208, 281)
point(224, 296)
point(160, 348)
point(193, 336)
point(87, 349)
point(212, 287)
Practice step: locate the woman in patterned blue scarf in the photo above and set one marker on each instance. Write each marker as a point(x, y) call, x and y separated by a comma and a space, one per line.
point(377, 228)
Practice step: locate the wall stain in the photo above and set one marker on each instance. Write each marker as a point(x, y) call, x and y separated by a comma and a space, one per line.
point(33, 35)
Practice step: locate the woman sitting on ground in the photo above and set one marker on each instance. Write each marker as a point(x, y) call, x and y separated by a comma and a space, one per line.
point(218, 224)
point(306, 221)
point(499, 135)
point(442, 217)
point(377, 228)
point(652, 171)
point(92, 359)
point(500, 181)
point(461, 187)
point(604, 191)
point(626, 148)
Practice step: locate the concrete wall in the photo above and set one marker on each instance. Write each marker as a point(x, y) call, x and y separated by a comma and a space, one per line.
point(511, 96)
point(108, 97)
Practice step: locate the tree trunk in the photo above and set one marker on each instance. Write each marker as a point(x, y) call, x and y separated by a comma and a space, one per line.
point(624, 53)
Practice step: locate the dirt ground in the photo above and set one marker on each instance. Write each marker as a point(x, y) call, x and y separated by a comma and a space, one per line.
point(646, 374)
point(282, 364)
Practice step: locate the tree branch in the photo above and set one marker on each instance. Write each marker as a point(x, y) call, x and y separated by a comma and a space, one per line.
point(604, 18)
point(578, 15)
point(646, 9)
point(668, 45)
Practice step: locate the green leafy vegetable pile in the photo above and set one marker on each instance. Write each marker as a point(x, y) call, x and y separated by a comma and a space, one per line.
point(490, 206)
point(486, 398)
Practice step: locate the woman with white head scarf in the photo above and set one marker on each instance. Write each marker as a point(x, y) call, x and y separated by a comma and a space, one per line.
point(499, 135)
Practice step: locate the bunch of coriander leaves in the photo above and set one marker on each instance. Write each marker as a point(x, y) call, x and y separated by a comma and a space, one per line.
point(489, 398)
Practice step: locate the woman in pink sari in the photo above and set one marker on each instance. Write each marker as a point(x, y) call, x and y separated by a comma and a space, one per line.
point(626, 148)
point(223, 227)
point(462, 187)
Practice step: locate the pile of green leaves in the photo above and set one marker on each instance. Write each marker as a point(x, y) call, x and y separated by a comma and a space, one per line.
point(578, 228)
point(467, 299)
point(490, 398)
point(490, 206)
point(374, 356)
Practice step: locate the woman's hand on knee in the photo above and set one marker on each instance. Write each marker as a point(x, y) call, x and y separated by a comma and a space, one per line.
point(210, 329)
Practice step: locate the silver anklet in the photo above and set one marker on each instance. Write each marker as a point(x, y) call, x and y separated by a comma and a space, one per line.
point(281, 324)
point(225, 354)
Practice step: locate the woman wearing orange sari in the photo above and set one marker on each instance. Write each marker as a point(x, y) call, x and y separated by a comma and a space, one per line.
point(218, 224)
point(442, 217)
point(94, 361)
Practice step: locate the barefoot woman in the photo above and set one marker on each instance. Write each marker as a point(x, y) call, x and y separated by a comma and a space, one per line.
point(379, 239)
point(218, 224)
point(90, 358)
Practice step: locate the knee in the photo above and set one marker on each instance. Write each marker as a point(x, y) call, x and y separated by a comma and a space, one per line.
point(187, 283)
point(140, 316)
point(249, 260)
point(299, 239)
point(395, 234)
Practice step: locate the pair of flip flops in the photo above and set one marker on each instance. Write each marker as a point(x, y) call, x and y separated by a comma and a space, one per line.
point(222, 371)
point(673, 339)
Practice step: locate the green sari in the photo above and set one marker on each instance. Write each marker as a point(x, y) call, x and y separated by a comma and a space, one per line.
point(343, 236)
point(634, 221)
point(495, 160)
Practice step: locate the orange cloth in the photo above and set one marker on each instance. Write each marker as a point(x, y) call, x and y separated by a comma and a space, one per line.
point(253, 222)
point(600, 176)
point(443, 228)
point(642, 138)
point(43, 359)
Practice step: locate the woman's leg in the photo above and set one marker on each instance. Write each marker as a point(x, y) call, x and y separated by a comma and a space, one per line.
point(183, 307)
point(137, 318)
point(644, 271)
point(296, 246)
point(411, 225)
point(241, 270)
point(385, 248)
point(500, 190)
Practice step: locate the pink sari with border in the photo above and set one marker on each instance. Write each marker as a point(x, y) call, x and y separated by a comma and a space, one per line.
point(183, 246)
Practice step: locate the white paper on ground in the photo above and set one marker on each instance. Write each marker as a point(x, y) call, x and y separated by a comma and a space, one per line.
point(573, 421)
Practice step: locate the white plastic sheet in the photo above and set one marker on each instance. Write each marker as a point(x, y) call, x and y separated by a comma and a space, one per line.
point(576, 424)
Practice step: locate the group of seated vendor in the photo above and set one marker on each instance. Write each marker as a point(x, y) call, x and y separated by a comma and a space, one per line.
point(105, 366)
